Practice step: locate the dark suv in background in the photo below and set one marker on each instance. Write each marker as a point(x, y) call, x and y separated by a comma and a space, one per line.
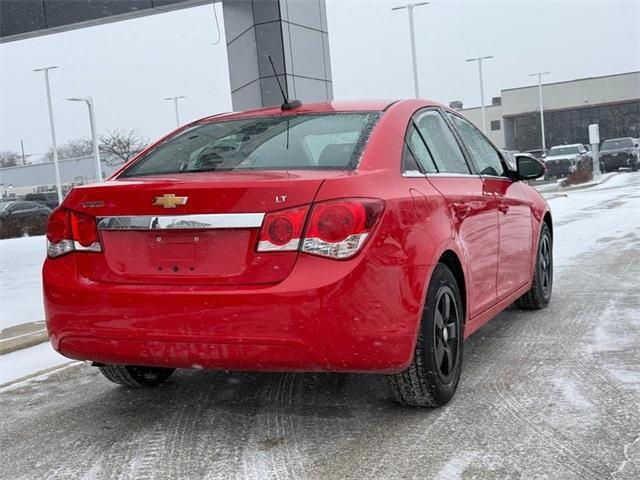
point(618, 153)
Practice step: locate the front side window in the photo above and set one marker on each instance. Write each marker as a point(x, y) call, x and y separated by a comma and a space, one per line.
point(484, 156)
point(441, 143)
point(279, 142)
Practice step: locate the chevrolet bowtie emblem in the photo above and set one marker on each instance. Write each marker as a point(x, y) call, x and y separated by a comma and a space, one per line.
point(169, 200)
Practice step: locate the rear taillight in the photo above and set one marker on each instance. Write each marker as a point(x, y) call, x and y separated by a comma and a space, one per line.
point(339, 228)
point(282, 231)
point(336, 229)
point(69, 231)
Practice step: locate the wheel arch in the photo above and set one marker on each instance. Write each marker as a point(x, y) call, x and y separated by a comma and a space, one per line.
point(549, 221)
point(453, 263)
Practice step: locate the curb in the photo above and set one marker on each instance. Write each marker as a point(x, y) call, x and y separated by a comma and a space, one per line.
point(590, 184)
point(22, 336)
point(562, 190)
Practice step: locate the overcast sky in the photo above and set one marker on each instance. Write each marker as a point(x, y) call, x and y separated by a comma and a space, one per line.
point(129, 67)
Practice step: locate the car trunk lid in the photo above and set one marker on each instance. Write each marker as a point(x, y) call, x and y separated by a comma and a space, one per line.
point(191, 229)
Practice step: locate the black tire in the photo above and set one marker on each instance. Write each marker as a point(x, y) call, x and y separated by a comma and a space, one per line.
point(539, 295)
point(429, 381)
point(133, 376)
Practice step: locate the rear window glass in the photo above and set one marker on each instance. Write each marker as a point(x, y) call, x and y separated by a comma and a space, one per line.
point(317, 141)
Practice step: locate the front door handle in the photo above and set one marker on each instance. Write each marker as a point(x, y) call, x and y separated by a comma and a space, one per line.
point(503, 207)
point(461, 209)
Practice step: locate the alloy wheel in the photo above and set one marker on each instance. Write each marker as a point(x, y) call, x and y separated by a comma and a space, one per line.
point(446, 341)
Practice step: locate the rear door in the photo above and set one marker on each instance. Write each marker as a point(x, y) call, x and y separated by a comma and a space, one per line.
point(514, 217)
point(474, 214)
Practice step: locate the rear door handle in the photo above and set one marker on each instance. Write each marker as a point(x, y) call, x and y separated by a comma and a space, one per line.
point(461, 209)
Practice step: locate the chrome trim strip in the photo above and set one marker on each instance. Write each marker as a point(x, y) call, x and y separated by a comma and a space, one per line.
point(413, 174)
point(181, 222)
point(451, 174)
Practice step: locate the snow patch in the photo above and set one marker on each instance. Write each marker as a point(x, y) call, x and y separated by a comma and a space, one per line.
point(21, 363)
point(21, 280)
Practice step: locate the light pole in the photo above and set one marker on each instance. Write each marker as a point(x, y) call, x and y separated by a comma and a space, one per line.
point(94, 136)
point(56, 164)
point(410, 8)
point(175, 106)
point(479, 60)
point(539, 75)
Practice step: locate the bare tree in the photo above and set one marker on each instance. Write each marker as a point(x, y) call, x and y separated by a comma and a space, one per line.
point(8, 159)
point(77, 147)
point(120, 145)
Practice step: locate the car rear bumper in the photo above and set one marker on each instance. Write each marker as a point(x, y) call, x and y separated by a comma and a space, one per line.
point(325, 316)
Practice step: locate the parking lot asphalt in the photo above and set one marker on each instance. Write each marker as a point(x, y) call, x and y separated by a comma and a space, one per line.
point(549, 394)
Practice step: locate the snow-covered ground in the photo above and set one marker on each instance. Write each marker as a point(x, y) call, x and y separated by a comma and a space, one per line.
point(580, 227)
point(28, 361)
point(20, 280)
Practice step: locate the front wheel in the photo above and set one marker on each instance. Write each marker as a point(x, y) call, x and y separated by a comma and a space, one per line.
point(134, 376)
point(433, 375)
point(539, 294)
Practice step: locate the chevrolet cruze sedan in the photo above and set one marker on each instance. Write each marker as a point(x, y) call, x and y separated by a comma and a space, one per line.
point(344, 237)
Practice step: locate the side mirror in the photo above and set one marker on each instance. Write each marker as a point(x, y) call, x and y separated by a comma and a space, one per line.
point(529, 168)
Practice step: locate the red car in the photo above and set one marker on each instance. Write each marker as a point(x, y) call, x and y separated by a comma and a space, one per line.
point(344, 237)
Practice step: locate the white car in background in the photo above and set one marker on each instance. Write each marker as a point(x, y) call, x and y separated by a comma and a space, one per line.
point(562, 160)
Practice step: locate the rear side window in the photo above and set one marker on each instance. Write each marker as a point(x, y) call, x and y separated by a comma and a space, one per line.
point(315, 141)
point(485, 157)
point(417, 155)
point(441, 143)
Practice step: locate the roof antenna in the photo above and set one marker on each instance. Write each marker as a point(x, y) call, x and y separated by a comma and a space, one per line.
point(287, 105)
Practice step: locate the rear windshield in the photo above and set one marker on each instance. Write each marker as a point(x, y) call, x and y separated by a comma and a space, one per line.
point(317, 141)
point(617, 143)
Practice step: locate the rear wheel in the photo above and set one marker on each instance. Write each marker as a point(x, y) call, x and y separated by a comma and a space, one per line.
point(134, 376)
point(432, 377)
point(540, 293)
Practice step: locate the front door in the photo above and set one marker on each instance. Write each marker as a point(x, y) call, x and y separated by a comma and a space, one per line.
point(473, 213)
point(514, 210)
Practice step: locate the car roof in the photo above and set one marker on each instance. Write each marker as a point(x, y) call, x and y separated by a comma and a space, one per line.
point(375, 105)
point(569, 145)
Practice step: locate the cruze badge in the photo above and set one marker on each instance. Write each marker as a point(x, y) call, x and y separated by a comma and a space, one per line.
point(169, 200)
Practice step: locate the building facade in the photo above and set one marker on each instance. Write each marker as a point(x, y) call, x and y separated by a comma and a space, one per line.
point(611, 101)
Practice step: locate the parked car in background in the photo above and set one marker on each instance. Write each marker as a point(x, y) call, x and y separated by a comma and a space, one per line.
point(19, 218)
point(50, 199)
point(563, 160)
point(540, 153)
point(344, 236)
point(618, 153)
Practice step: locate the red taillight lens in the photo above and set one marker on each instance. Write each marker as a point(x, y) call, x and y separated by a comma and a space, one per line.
point(334, 222)
point(339, 228)
point(282, 230)
point(58, 226)
point(69, 231)
point(83, 229)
